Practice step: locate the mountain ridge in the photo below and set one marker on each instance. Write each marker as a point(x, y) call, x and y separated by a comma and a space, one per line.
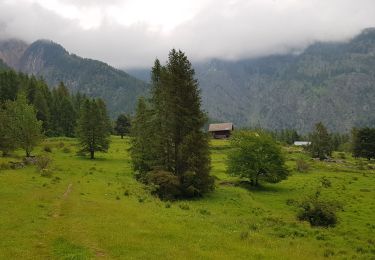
point(50, 60)
point(332, 82)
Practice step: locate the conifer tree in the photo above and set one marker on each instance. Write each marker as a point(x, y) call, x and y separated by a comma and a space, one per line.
point(122, 125)
point(7, 142)
point(141, 140)
point(321, 144)
point(179, 145)
point(364, 142)
point(93, 127)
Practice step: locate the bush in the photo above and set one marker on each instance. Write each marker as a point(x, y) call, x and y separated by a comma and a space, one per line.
point(166, 184)
point(326, 183)
point(46, 173)
point(66, 150)
point(47, 149)
point(341, 155)
point(42, 162)
point(4, 166)
point(302, 165)
point(318, 212)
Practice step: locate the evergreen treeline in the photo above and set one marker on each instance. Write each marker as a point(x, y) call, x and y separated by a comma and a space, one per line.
point(29, 110)
point(57, 108)
point(169, 147)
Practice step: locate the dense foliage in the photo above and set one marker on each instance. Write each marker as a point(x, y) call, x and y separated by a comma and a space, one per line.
point(93, 130)
point(256, 157)
point(364, 143)
point(19, 127)
point(57, 108)
point(168, 131)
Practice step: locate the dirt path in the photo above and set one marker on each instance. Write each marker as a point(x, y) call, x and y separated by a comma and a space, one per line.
point(57, 211)
point(68, 190)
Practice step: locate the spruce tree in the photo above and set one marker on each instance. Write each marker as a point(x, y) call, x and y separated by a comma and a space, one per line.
point(364, 142)
point(7, 141)
point(93, 127)
point(321, 143)
point(175, 119)
point(122, 125)
point(141, 140)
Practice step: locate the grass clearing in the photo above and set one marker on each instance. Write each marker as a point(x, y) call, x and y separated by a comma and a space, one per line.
point(95, 209)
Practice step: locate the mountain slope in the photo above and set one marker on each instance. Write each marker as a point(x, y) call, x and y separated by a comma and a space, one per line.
point(329, 82)
point(52, 62)
point(11, 51)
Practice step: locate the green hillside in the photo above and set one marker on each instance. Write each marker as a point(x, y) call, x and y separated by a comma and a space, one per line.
point(97, 210)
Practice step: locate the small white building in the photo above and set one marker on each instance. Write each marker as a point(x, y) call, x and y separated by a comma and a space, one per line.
point(301, 143)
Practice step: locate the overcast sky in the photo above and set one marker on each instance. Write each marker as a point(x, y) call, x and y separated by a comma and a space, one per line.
point(131, 33)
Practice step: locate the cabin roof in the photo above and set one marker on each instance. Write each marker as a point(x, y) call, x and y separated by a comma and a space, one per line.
point(220, 127)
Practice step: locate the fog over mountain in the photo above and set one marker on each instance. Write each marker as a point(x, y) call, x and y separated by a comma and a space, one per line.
point(130, 33)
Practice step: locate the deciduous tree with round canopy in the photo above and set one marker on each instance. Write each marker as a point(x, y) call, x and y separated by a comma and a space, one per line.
point(257, 157)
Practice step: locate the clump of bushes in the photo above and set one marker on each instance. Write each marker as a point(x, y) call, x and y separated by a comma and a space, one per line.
point(319, 212)
point(165, 184)
point(302, 165)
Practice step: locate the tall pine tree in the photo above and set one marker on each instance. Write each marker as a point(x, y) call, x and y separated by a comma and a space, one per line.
point(93, 127)
point(176, 121)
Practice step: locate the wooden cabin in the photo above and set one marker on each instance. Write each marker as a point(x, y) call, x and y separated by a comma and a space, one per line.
point(221, 131)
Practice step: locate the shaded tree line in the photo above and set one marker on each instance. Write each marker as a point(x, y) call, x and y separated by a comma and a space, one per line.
point(29, 110)
point(57, 109)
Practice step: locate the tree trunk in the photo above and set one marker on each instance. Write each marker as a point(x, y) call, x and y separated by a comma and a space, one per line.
point(122, 136)
point(27, 153)
point(92, 155)
point(256, 179)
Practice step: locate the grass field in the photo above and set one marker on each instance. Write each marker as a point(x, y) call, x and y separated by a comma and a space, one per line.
point(95, 209)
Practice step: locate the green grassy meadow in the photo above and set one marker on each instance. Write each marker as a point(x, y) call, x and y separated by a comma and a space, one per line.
point(97, 210)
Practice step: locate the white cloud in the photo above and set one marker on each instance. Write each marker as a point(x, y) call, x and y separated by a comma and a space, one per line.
point(133, 32)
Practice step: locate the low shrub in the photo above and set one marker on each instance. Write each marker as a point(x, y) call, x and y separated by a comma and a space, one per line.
point(318, 212)
point(325, 182)
point(47, 149)
point(66, 150)
point(42, 162)
point(4, 166)
point(184, 206)
point(46, 173)
point(302, 165)
point(341, 155)
point(165, 184)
